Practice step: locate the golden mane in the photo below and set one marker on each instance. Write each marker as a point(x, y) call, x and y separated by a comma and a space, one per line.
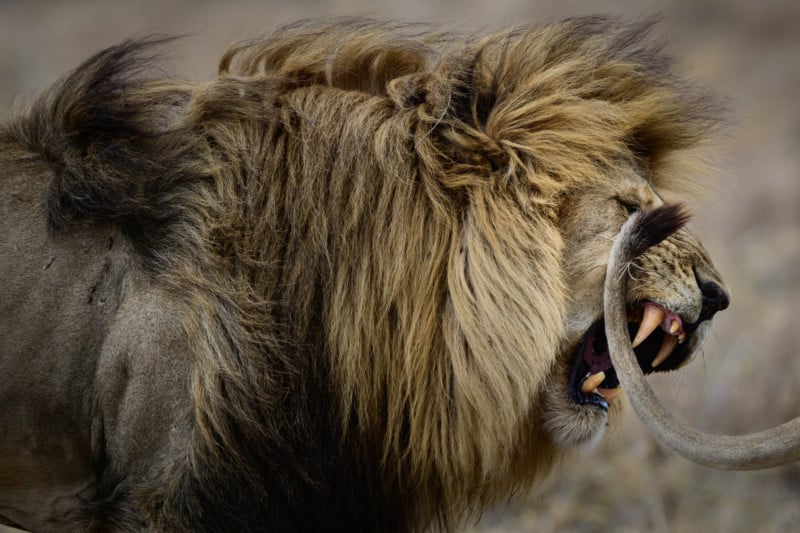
point(340, 212)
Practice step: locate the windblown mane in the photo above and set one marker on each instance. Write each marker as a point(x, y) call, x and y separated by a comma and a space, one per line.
point(338, 211)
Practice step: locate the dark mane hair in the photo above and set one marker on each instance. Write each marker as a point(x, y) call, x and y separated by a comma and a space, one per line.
point(307, 206)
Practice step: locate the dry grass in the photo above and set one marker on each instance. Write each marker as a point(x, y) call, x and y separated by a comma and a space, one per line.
point(745, 380)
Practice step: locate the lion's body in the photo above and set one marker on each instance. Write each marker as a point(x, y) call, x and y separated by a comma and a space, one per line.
point(328, 289)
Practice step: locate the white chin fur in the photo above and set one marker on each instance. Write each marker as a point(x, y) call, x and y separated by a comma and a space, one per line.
point(570, 425)
point(582, 428)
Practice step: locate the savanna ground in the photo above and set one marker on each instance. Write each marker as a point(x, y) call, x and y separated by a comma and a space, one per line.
point(744, 382)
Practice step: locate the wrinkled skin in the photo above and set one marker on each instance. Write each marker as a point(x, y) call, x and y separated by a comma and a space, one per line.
point(668, 273)
point(98, 358)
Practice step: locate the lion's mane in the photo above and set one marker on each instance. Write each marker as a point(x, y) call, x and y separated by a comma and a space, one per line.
point(359, 220)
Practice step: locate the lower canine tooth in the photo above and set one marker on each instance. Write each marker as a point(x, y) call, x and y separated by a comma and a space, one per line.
point(592, 382)
point(681, 338)
point(610, 395)
point(666, 349)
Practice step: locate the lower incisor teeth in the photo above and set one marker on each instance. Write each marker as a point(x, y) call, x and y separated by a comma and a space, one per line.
point(592, 382)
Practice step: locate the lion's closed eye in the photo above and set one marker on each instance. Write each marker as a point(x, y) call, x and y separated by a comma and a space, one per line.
point(631, 206)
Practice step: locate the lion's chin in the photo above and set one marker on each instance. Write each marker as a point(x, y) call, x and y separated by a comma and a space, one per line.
point(572, 425)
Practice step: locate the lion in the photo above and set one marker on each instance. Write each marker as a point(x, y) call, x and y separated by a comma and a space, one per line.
point(354, 282)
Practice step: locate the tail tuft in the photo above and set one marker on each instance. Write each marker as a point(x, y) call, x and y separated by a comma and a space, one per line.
point(654, 226)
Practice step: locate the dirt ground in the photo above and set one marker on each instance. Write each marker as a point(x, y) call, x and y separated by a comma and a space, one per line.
point(748, 51)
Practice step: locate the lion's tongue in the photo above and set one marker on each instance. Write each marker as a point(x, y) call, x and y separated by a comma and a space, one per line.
point(596, 355)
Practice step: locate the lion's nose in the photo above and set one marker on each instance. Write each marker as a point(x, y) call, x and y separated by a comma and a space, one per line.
point(714, 299)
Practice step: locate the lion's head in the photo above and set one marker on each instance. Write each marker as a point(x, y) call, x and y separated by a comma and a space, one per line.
point(673, 293)
point(388, 245)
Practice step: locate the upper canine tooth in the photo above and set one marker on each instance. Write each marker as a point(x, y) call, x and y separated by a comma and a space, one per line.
point(592, 382)
point(673, 329)
point(666, 349)
point(652, 318)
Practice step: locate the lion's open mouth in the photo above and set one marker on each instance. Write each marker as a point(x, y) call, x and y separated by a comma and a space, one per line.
point(659, 339)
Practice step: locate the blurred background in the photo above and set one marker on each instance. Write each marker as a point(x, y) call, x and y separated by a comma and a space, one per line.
point(749, 52)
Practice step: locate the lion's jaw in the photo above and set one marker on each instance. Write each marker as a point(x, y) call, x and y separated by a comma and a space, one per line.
point(674, 291)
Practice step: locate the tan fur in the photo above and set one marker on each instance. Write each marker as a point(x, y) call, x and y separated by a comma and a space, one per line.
point(412, 212)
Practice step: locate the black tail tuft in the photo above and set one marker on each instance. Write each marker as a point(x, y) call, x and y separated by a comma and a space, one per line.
point(654, 226)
